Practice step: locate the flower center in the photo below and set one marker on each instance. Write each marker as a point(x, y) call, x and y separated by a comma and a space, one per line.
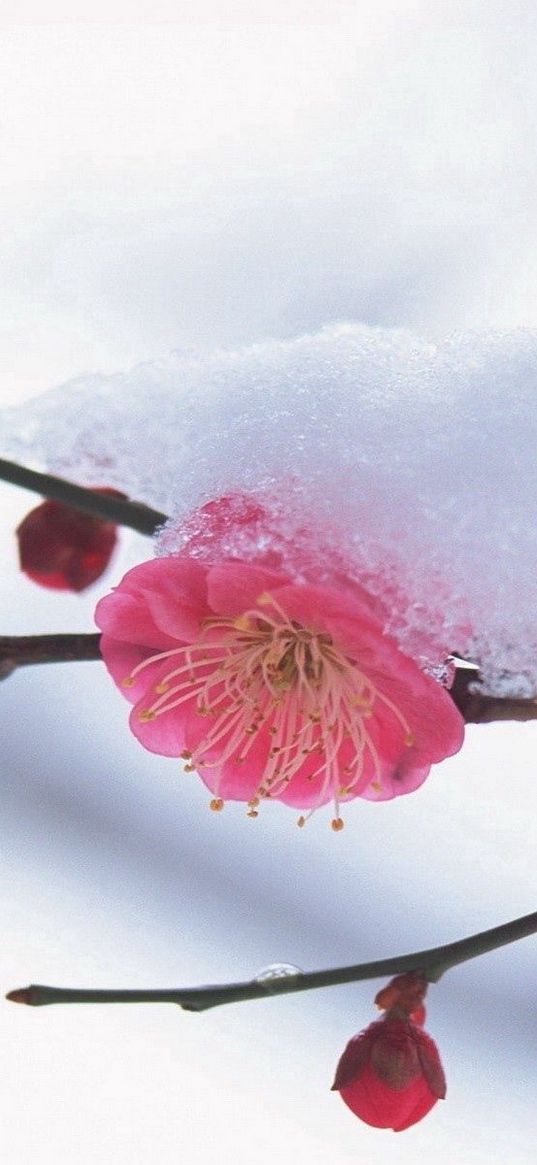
point(262, 677)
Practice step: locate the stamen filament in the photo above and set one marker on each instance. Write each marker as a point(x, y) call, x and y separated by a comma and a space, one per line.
point(262, 672)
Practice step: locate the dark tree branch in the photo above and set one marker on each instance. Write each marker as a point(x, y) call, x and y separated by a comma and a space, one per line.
point(433, 963)
point(18, 650)
point(119, 510)
point(479, 709)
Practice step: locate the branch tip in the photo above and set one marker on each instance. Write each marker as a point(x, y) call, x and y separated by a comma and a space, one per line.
point(21, 995)
point(121, 511)
point(432, 963)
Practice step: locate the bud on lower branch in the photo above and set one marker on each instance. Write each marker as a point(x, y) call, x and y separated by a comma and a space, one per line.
point(390, 1075)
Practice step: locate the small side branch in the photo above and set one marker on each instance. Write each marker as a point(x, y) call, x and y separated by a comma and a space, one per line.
point(479, 709)
point(119, 510)
point(433, 963)
point(19, 650)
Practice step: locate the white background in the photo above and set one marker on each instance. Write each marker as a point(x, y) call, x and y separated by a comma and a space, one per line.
point(254, 170)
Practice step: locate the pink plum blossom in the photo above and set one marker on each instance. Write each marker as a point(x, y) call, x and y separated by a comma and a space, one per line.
point(270, 688)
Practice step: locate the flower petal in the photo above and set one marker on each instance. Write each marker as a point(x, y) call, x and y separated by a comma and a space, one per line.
point(171, 592)
point(233, 591)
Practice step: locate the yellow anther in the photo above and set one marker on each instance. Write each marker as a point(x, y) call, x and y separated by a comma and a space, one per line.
point(264, 599)
point(301, 822)
point(146, 715)
point(243, 623)
point(216, 804)
point(409, 739)
point(361, 701)
point(252, 813)
point(161, 688)
point(128, 682)
point(186, 755)
point(377, 786)
point(337, 824)
point(189, 769)
point(253, 803)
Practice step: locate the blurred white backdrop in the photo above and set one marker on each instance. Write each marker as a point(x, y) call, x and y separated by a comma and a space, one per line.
point(251, 170)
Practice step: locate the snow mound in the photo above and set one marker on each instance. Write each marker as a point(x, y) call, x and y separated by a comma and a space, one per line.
point(406, 465)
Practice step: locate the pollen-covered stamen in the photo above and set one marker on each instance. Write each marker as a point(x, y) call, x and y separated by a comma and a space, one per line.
point(263, 673)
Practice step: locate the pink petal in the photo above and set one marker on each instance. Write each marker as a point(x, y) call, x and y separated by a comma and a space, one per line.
point(234, 587)
point(321, 608)
point(126, 617)
point(165, 735)
point(120, 659)
point(172, 593)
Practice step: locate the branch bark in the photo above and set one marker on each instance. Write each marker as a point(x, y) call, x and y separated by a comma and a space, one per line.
point(122, 511)
point(480, 709)
point(19, 650)
point(433, 963)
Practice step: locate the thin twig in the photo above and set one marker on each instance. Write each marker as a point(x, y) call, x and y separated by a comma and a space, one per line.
point(123, 512)
point(481, 709)
point(18, 650)
point(433, 963)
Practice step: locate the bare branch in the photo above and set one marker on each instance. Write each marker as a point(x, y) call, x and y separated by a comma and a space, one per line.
point(479, 709)
point(123, 512)
point(432, 963)
point(18, 650)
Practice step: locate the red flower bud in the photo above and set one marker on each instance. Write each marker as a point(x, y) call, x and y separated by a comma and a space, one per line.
point(390, 1075)
point(63, 548)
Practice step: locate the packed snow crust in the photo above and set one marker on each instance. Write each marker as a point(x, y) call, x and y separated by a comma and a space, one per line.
point(406, 465)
